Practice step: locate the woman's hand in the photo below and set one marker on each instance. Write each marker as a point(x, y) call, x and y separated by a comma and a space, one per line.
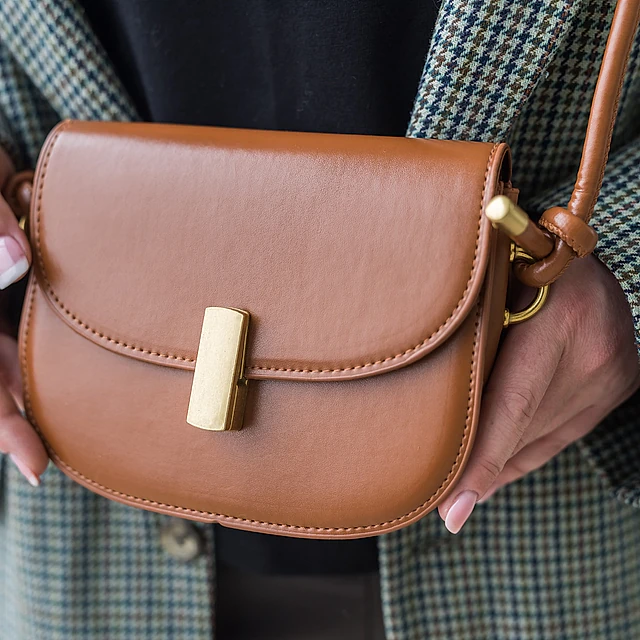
point(17, 437)
point(556, 377)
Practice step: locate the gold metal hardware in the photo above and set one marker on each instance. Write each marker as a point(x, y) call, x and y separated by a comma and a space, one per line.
point(219, 389)
point(515, 223)
point(538, 302)
point(507, 216)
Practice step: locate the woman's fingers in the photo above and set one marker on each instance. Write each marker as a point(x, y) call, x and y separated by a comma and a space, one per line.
point(15, 254)
point(555, 378)
point(525, 366)
point(10, 374)
point(20, 441)
point(534, 454)
point(538, 453)
point(17, 437)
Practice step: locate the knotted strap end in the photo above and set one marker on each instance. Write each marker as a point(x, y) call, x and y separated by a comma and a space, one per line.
point(574, 231)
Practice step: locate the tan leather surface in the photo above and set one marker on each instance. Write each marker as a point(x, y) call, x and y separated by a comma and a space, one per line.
point(342, 248)
point(303, 227)
point(536, 244)
point(345, 454)
point(547, 270)
point(495, 293)
point(573, 230)
point(356, 257)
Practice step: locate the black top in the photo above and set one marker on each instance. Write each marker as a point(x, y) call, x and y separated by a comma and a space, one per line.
point(337, 66)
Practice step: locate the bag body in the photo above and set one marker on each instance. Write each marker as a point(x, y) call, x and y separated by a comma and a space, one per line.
point(281, 332)
point(375, 288)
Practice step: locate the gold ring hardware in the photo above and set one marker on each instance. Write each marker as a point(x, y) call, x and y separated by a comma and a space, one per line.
point(219, 388)
point(538, 302)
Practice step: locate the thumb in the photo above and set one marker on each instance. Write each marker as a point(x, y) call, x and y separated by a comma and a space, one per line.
point(19, 440)
point(512, 396)
point(10, 374)
point(15, 254)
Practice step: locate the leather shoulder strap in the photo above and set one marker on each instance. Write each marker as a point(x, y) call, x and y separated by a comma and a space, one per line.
point(604, 109)
point(569, 225)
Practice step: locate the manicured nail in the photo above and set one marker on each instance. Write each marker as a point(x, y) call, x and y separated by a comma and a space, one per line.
point(31, 477)
point(460, 511)
point(13, 262)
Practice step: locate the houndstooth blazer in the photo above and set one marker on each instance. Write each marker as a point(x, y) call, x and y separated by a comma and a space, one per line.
point(554, 556)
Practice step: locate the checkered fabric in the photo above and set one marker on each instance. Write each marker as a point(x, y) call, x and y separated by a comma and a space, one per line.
point(553, 556)
point(549, 557)
point(74, 566)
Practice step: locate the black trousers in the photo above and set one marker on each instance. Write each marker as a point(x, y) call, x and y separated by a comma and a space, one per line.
point(252, 606)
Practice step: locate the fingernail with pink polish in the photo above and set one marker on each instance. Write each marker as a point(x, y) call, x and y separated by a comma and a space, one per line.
point(460, 511)
point(31, 477)
point(13, 262)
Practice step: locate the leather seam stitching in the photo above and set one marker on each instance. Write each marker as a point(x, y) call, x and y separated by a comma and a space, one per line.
point(572, 242)
point(223, 517)
point(174, 508)
point(76, 320)
point(441, 328)
point(50, 289)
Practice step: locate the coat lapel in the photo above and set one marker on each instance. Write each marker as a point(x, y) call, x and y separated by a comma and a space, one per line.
point(485, 59)
point(53, 43)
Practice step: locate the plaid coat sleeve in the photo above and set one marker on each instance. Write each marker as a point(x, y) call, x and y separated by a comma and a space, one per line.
point(7, 141)
point(26, 116)
point(617, 221)
point(614, 446)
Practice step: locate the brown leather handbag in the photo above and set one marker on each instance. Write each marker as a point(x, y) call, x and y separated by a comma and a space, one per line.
point(280, 332)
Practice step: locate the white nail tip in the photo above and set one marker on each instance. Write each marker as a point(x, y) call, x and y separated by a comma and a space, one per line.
point(14, 272)
point(460, 511)
point(33, 480)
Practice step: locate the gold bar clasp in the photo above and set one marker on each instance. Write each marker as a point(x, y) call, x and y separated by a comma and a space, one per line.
point(515, 223)
point(219, 388)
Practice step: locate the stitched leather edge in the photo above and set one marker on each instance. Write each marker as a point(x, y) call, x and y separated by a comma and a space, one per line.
point(218, 517)
point(189, 363)
point(49, 288)
point(580, 251)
